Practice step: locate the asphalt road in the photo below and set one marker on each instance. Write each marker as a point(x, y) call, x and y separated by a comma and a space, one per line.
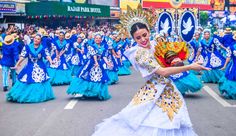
point(211, 114)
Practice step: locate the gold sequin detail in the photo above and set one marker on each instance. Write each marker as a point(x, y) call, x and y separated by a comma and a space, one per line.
point(146, 93)
point(146, 59)
point(169, 101)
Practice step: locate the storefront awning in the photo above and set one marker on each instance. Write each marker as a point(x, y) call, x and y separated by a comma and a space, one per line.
point(66, 9)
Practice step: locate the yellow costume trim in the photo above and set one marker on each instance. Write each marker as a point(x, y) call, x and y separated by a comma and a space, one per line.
point(169, 101)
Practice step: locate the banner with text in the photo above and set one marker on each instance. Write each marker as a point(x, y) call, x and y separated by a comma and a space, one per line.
point(66, 9)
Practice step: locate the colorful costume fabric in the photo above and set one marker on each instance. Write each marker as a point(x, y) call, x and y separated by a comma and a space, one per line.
point(123, 69)
point(33, 83)
point(92, 80)
point(59, 72)
point(157, 109)
point(227, 84)
point(77, 59)
point(112, 71)
point(212, 59)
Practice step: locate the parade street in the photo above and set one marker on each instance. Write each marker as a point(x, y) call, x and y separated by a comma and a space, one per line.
point(211, 115)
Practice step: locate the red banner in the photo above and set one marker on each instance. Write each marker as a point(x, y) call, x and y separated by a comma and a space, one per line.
point(148, 4)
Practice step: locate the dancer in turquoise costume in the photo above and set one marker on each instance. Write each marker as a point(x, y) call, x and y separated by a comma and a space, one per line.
point(227, 84)
point(118, 46)
point(227, 40)
point(194, 45)
point(212, 58)
point(112, 70)
point(125, 47)
point(70, 49)
point(46, 40)
point(59, 71)
point(33, 83)
point(74, 35)
point(92, 79)
point(89, 41)
point(77, 58)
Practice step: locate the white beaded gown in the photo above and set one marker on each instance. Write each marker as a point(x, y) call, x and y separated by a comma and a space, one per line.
point(158, 108)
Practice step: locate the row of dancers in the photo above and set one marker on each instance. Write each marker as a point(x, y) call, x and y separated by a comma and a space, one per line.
point(89, 63)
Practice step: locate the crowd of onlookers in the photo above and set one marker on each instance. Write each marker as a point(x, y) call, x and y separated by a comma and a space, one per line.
point(26, 35)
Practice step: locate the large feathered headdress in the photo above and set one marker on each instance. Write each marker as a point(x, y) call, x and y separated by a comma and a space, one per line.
point(132, 16)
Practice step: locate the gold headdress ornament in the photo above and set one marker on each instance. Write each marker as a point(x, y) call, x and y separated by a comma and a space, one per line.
point(133, 16)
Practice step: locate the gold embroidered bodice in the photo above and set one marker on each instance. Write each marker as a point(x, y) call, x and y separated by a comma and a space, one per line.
point(145, 58)
point(169, 100)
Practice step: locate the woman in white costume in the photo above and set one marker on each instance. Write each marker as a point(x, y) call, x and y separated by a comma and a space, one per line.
point(158, 108)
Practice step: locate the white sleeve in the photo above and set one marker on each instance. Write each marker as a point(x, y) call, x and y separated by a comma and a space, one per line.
point(143, 60)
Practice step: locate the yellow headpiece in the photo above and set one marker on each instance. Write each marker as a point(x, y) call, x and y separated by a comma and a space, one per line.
point(133, 16)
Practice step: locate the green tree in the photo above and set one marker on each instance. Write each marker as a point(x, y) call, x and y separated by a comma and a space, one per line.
point(203, 18)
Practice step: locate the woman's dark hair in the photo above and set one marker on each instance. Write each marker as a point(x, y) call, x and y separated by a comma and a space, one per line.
point(136, 27)
point(39, 36)
point(61, 32)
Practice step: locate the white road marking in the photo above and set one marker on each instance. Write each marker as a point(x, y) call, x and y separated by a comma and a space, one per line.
point(217, 97)
point(72, 103)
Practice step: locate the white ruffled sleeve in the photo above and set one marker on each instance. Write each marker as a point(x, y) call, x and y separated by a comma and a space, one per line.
point(143, 60)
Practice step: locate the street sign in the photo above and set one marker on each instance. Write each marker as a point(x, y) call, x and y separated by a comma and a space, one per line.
point(8, 7)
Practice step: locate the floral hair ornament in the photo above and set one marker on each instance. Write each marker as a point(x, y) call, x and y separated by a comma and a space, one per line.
point(133, 16)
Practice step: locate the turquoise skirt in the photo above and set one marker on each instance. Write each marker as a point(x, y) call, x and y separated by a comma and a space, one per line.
point(212, 76)
point(75, 70)
point(30, 93)
point(127, 63)
point(188, 83)
point(59, 77)
point(89, 89)
point(124, 70)
point(195, 72)
point(227, 88)
point(113, 77)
